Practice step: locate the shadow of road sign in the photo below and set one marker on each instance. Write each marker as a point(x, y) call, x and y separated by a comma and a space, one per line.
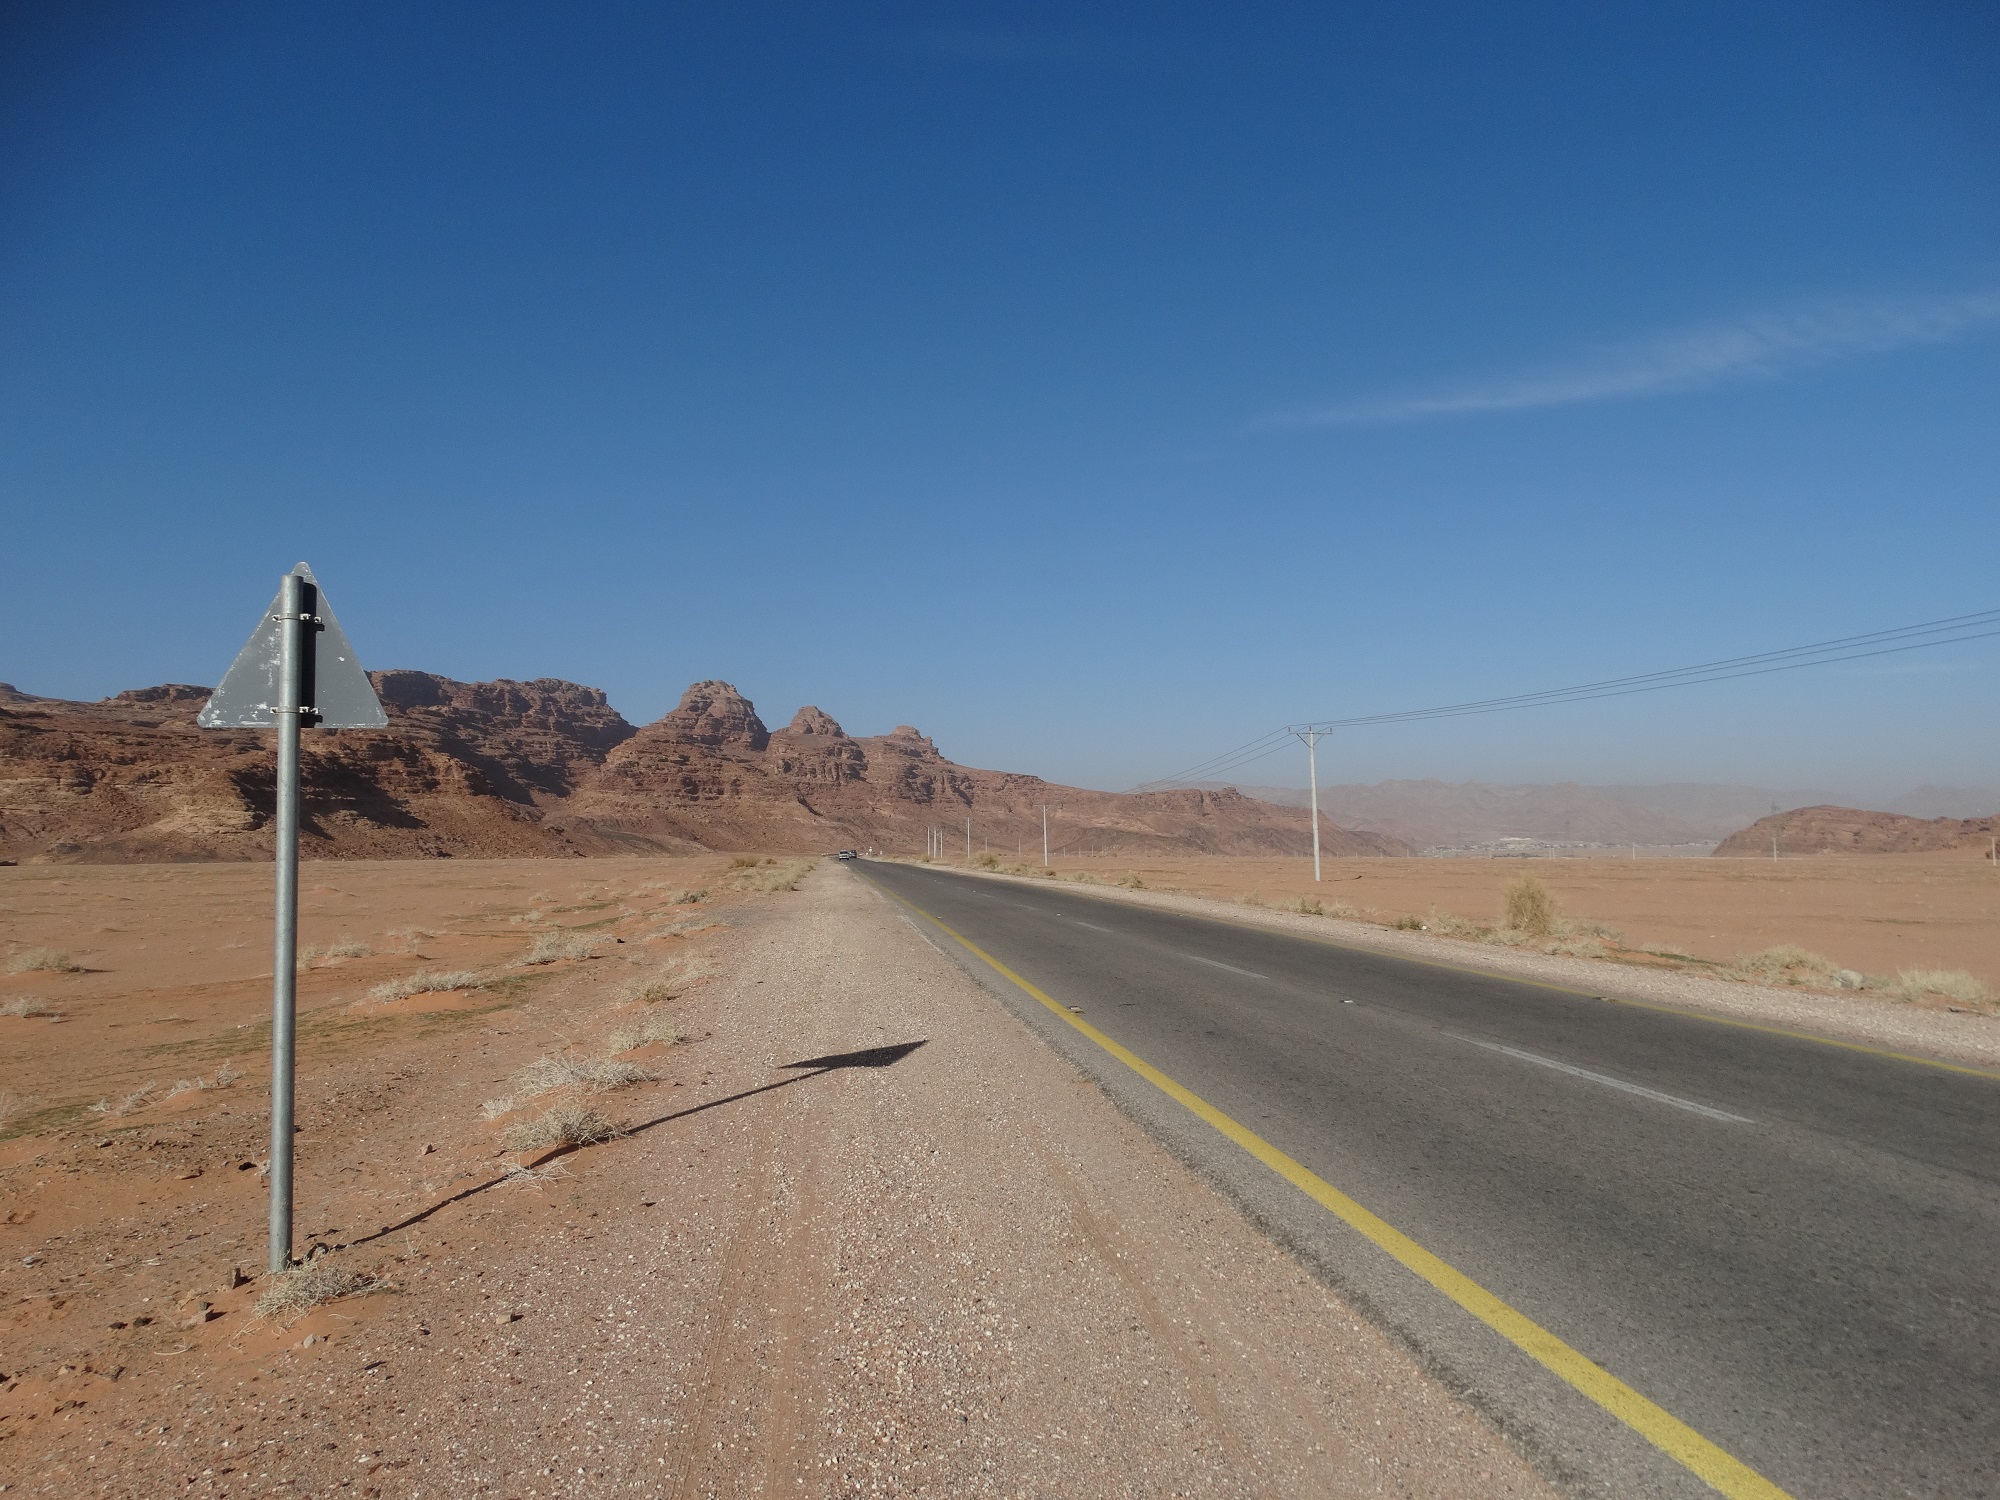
point(873, 1057)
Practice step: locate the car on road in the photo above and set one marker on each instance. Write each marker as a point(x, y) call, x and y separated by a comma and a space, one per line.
point(845, 854)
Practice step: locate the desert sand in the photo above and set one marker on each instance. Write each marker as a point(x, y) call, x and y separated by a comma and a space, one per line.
point(862, 1232)
point(1878, 914)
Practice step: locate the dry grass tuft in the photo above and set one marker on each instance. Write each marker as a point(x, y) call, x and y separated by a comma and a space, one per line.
point(747, 861)
point(1529, 907)
point(988, 861)
point(1787, 964)
point(1452, 925)
point(554, 947)
point(345, 947)
point(26, 1006)
point(223, 1078)
point(430, 982)
point(1131, 881)
point(657, 1027)
point(138, 1099)
point(292, 1294)
point(1944, 984)
point(1251, 898)
point(1306, 906)
point(565, 1070)
point(43, 961)
point(570, 1123)
point(771, 877)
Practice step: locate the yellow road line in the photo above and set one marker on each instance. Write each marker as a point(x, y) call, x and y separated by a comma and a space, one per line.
point(1556, 989)
point(1673, 1437)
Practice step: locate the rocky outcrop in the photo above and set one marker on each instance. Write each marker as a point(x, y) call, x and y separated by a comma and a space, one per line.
point(549, 767)
point(1848, 830)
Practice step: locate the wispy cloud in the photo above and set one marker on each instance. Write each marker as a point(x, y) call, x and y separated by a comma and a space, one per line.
point(1764, 347)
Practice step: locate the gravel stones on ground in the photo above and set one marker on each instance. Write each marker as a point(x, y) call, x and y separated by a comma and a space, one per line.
point(819, 1261)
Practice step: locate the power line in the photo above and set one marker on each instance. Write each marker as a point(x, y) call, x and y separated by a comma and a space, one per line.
point(1979, 626)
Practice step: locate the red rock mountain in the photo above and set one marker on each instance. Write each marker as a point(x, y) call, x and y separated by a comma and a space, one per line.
point(550, 768)
point(1847, 830)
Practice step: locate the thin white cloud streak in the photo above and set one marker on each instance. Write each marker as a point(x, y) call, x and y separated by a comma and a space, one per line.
point(1765, 347)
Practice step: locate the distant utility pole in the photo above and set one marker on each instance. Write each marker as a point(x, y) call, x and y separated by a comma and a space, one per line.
point(968, 841)
point(1045, 831)
point(1310, 734)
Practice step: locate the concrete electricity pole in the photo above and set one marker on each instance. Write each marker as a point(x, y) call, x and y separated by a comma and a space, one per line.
point(1045, 832)
point(1310, 734)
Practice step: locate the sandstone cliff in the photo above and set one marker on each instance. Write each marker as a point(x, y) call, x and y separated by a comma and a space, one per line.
point(550, 768)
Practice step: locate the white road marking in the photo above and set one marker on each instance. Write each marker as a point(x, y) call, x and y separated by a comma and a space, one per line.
point(1708, 1110)
point(1230, 967)
point(922, 934)
point(1091, 925)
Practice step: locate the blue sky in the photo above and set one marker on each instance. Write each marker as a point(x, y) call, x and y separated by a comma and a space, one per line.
point(1091, 386)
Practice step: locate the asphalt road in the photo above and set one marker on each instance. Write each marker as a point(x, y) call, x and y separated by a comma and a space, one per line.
point(1793, 1248)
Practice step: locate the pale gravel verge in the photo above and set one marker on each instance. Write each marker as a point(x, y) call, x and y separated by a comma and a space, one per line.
point(1972, 1039)
point(964, 1274)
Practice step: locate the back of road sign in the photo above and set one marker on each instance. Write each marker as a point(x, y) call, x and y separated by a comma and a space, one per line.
point(335, 688)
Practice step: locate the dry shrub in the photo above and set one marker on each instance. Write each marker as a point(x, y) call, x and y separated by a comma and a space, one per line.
point(294, 1293)
point(652, 991)
point(988, 861)
point(1787, 964)
point(657, 1027)
point(554, 947)
point(1408, 922)
point(1250, 898)
point(1451, 925)
point(1306, 906)
point(138, 1099)
point(570, 1123)
point(688, 897)
point(770, 877)
point(1946, 984)
point(746, 862)
point(430, 982)
point(345, 947)
point(43, 961)
point(26, 1006)
point(1528, 906)
point(224, 1077)
point(1131, 881)
point(565, 1070)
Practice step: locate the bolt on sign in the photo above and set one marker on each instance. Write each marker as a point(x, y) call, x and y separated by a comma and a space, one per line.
point(296, 672)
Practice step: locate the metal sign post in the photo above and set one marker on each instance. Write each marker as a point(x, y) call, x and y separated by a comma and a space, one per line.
point(296, 666)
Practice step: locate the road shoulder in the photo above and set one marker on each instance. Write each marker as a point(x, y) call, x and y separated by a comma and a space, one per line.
point(1971, 1040)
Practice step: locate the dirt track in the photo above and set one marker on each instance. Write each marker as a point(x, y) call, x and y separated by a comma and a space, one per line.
point(951, 1270)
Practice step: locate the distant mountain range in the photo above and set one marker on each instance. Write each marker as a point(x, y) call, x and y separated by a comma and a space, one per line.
point(1428, 814)
point(493, 769)
point(1846, 830)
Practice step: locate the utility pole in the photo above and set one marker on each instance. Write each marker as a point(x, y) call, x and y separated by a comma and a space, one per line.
point(1310, 734)
point(968, 841)
point(1045, 831)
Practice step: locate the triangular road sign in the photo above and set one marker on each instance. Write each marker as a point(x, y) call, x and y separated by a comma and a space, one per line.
point(335, 688)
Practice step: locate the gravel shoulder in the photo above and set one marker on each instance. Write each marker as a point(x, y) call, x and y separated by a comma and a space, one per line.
point(867, 1235)
point(1868, 1021)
